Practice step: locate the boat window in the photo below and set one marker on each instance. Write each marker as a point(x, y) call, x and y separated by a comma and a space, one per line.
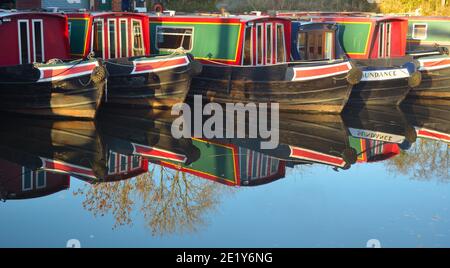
point(136, 162)
point(112, 163)
point(301, 45)
point(269, 43)
point(384, 40)
point(281, 48)
point(247, 57)
point(315, 45)
point(69, 28)
point(388, 40)
point(27, 179)
point(259, 44)
point(112, 51)
point(171, 38)
point(38, 41)
point(123, 38)
point(138, 39)
point(123, 163)
point(381, 41)
point(420, 31)
point(97, 40)
point(41, 179)
point(24, 42)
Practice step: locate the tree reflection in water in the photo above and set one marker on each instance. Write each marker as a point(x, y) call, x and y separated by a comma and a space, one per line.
point(426, 160)
point(169, 201)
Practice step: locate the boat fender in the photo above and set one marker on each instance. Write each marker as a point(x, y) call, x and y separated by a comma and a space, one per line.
point(99, 74)
point(350, 156)
point(354, 76)
point(415, 79)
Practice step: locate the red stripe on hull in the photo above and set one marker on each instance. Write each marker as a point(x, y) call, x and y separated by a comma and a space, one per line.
point(322, 71)
point(153, 66)
point(313, 156)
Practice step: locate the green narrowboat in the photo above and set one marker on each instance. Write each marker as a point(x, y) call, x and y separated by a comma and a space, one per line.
point(122, 41)
point(431, 118)
point(375, 44)
point(429, 42)
point(248, 59)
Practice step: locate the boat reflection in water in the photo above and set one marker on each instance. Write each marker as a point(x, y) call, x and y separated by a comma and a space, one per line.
point(129, 160)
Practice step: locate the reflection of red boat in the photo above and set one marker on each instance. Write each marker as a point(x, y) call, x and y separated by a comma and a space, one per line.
point(20, 182)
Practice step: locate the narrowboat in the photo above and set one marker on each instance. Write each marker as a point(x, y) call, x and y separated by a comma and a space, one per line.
point(36, 76)
point(67, 147)
point(427, 33)
point(431, 118)
point(136, 78)
point(229, 164)
point(19, 182)
point(247, 59)
point(429, 42)
point(375, 44)
point(145, 133)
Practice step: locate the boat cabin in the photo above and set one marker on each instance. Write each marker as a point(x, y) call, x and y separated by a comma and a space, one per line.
point(231, 165)
point(364, 36)
point(232, 40)
point(119, 167)
point(428, 32)
point(32, 37)
point(315, 41)
point(108, 34)
point(20, 182)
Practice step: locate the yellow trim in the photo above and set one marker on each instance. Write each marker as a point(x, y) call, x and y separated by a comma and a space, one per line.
point(425, 20)
point(209, 23)
point(368, 37)
point(86, 35)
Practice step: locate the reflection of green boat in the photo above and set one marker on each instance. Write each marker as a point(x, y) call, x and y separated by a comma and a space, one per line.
point(431, 118)
point(231, 165)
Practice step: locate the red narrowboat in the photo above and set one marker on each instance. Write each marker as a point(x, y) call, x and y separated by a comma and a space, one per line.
point(376, 44)
point(137, 78)
point(248, 59)
point(35, 74)
point(21, 182)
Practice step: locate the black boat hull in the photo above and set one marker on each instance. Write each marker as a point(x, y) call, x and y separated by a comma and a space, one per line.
point(156, 87)
point(272, 84)
point(23, 90)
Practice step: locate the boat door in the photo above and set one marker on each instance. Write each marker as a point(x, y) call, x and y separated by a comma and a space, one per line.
point(384, 39)
point(264, 44)
point(117, 37)
point(31, 40)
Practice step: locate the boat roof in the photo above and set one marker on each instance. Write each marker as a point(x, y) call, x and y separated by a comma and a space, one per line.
point(107, 13)
point(356, 16)
point(212, 16)
point(10, 13)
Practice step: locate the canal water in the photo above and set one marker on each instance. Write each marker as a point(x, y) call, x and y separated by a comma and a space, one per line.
point(369, 177)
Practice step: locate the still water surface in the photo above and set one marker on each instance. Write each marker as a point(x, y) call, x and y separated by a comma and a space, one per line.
point(333, 181)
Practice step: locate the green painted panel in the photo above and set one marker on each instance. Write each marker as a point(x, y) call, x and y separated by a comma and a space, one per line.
point(104, 4)
point(211, 41)
point(78, 30)
point(355, 143)
point(354, 37)
point(216, 160)
point(438, 31)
